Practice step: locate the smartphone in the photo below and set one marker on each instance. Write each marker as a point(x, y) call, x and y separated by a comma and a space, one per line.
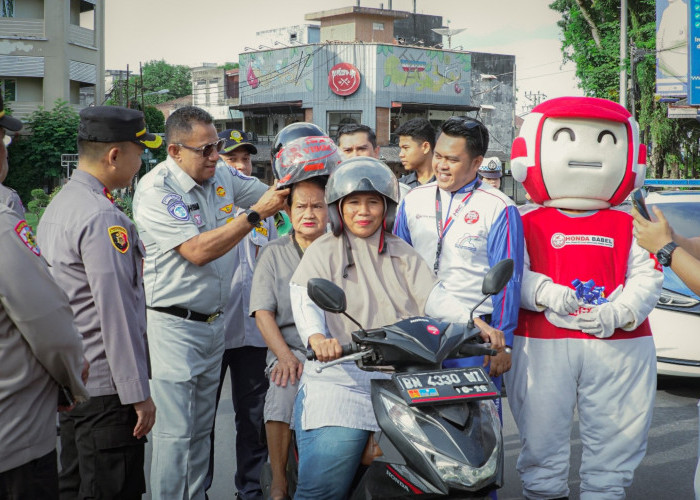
point(639, 204)
point(65, 398)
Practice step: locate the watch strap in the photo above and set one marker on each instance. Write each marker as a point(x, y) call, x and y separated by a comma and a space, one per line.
point(665, 254)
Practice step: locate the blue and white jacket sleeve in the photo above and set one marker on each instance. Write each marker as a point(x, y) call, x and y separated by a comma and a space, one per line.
point(506, 241)
point(401, 225)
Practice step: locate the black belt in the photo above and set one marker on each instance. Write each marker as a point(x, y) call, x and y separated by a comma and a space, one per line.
point(181, 312)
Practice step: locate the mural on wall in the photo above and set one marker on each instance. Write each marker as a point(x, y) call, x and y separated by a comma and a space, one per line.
point(424, 69)
point(291, 69)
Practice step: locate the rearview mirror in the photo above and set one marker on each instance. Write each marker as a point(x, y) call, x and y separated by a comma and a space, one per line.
point(497, 277)
point(326, 295)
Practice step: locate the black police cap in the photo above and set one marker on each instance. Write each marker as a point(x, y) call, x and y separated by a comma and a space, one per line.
point(115, 124)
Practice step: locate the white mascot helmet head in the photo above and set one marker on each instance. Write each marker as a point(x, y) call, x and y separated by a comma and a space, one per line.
point(581, 153)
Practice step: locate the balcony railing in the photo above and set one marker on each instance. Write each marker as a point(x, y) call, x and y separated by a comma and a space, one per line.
point(81, 36)
point(22, 28)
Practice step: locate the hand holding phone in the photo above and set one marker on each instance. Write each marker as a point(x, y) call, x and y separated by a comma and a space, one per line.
point(639, 204)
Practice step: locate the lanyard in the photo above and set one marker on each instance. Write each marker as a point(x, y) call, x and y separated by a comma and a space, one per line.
point(442, 230)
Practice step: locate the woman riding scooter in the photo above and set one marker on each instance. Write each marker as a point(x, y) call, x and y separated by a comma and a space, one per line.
point(387, 280)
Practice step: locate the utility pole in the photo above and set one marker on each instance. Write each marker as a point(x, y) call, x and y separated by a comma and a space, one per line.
point(127, 85)
point(623, 53)
point(534, 98)
point(143, 107)
point(636, 55)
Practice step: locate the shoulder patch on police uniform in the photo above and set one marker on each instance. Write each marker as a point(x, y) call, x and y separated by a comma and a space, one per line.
point(176, 207)
point(119, 238)
point(25, 233)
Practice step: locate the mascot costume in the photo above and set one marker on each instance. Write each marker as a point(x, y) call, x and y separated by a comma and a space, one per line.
point(583, 341)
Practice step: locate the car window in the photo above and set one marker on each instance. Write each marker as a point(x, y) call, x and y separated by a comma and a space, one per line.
point(683, 217)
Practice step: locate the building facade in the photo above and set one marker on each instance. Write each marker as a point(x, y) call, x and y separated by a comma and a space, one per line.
point(50, 50)
point(216, 90)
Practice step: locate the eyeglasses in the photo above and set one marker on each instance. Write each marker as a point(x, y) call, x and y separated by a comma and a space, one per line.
point(207, 150)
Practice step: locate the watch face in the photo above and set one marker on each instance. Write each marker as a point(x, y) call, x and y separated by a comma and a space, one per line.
point(663, 257)
point(253, 217)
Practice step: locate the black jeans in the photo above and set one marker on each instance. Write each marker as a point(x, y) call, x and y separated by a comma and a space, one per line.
point(35, 480)
point(100, 457)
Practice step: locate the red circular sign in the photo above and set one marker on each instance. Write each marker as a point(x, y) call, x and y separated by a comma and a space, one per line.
point(344, 79)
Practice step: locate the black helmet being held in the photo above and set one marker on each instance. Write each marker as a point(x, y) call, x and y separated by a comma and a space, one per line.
point(291, 132)
point(362, 174)
point(304, 158)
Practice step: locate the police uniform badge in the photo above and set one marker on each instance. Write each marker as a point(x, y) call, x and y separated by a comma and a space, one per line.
point(24, 231)
point(119, 238)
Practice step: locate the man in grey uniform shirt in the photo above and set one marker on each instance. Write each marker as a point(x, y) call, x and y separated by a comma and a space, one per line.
point(96, 257)
point(40, 351)
point(244, 357)
point(183, 208)
point(8, 197)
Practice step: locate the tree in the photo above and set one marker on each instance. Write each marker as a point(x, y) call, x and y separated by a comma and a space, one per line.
point(155, 121)
point(157, 76)
point(35, 160)
point(591, 30)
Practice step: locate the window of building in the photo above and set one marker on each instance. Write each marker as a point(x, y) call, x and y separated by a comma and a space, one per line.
point(201, 82)
point(337, 119)
point(9, 90)
point(214, 80)
point(378, 26)
point(7, 8)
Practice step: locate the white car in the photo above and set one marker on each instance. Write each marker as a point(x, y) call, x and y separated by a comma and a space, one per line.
point(675, 322)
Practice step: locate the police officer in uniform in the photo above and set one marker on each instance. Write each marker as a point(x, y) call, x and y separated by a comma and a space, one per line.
point(184, 208)
point(8, 197)
point(246, 350)
point(96, 257)
point(40, 351)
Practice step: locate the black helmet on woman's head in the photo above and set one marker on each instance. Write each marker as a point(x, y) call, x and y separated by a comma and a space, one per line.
point(362, 174)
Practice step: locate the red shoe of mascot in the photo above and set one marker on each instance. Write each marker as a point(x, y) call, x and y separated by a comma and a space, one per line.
point(583, 341)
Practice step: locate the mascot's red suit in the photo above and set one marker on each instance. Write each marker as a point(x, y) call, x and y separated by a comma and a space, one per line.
point(582, 340)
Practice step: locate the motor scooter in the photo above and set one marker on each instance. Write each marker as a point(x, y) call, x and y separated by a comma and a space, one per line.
point(440, 431)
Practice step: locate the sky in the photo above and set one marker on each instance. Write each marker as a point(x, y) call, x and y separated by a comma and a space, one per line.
point(216, 31)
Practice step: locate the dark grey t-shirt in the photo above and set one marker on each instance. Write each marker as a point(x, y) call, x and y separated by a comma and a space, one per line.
point(270, 291)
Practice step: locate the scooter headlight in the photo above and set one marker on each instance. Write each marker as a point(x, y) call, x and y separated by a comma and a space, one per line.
point(453, 472)
point(404, 419)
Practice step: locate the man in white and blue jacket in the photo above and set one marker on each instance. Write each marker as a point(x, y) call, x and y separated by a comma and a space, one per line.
point(462, 227)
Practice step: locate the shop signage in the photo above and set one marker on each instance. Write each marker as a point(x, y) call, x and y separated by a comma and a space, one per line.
point(344, 79)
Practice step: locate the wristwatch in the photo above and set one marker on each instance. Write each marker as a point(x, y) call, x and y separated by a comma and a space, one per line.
point(664, 255)
point(252, 217)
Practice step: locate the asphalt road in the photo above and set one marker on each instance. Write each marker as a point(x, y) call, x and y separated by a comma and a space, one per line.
point(666, 472)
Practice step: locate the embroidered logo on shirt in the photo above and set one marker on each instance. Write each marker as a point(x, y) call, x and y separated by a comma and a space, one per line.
point(560, 240)
point(467, 242)
point(178, 210)
point(472, 217)
point(220, 191)
point(261, 229)
point(176, 207)
point(24, 231)
point(227, 209)
point(119, 238)
point(198, 219)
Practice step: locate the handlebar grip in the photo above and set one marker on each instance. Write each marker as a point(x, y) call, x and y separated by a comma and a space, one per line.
point(350, 348)
point(476, 350)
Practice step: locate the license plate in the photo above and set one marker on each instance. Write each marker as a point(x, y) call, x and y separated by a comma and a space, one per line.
point(445, 386)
